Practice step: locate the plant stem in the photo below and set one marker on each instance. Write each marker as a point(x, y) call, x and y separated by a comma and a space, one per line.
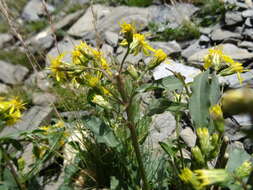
point(123, 60)
point(13, 171)
point(127, 103)
point(138, 156)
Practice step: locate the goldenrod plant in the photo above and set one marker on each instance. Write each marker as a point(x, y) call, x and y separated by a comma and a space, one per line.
point(108, 147)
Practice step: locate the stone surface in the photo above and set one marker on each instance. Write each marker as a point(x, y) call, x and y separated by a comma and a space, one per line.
point(246, 44)
point(176, 13)
point(4, 88)
point(111, 38)
point(130, 58)
point(33, 118)
point(5, 39)
point(65, 46)
point(107, 50)
point(235, 52)
point(107, 19)
point(12, 74)
point(187, 71)
point(34, 9)
point(45, 39)
point(43, 99)
point(232, 18)
point(204, 40)
point(162, 127)
point(248, 32)
point(188, 136)
point(233, 82)
point(169, 48)
point(247, 13)
point(39, 79)
point(221, 35)
point(190, 50)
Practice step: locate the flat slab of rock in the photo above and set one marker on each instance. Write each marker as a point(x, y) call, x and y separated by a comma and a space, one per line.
point(235, 52)
point(4, 39)
point(34, 9)
point(12, 74)
point(33, 118)
point(108, 18)
point(44, 39)
point(233, 17)
point(220, 35)
point(162, 127)
point(4, 89)
point(168, 47)
point(188, 72)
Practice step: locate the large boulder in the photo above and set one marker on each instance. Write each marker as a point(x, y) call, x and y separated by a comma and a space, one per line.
point(12, 74)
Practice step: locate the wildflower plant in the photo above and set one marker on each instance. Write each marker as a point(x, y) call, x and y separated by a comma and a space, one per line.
point(118, 121)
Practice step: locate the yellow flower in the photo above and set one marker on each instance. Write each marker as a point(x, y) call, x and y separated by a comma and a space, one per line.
point(159, 57)
point(99, 100)
point(244, 170)
point(204, 140)
point(139, 44)
point(56, 65)
point(188, 176)
point(93, 81)
point(212, 176)
point(216, 112)
point(128, 30)
point(234, 67)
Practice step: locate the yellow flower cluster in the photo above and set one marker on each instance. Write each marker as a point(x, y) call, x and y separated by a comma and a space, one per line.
point(10, 110)
point(217, 59)
point(137, 43)
point(204, 177)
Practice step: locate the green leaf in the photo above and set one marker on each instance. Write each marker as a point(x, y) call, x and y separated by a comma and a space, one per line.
point(215, 92)
point(102, 132)
point(168, 83)
point(199, 101)
point(161, 105)
point(135, 109)
point(236, 158)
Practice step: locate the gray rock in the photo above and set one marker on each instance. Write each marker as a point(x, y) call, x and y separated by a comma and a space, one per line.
point(111, 38)
point(249, 22)
point(221, 35)
point(246, 44)
point(33, 118)
point(188, 72)
point(188, 136)
point(177, 13)
point(43, 99)
point(107, 50)
point(74, 114)
point(235, 52)
point(248, 145)
point(169, 48)
point(234, 145)
point(189, 51)
point(40, 80)
point(4, 89)
point(45, 39)
point(107, 19)
point(5, 39)
point(12, 74)
point(248, 32)
point(204, 39)
point(34, 9)
point(65, 46)
point(232, 18)
point(233, 82)
point(162, 127)
point(233, 131)
point(247, 13)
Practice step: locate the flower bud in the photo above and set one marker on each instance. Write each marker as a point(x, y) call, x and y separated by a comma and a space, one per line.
point(196, 152)
point(217, 116)
point(244, 170)
point(188, 176)
point(204, 140)
point(159, 57)
point(132, 71)
point(99, 100)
